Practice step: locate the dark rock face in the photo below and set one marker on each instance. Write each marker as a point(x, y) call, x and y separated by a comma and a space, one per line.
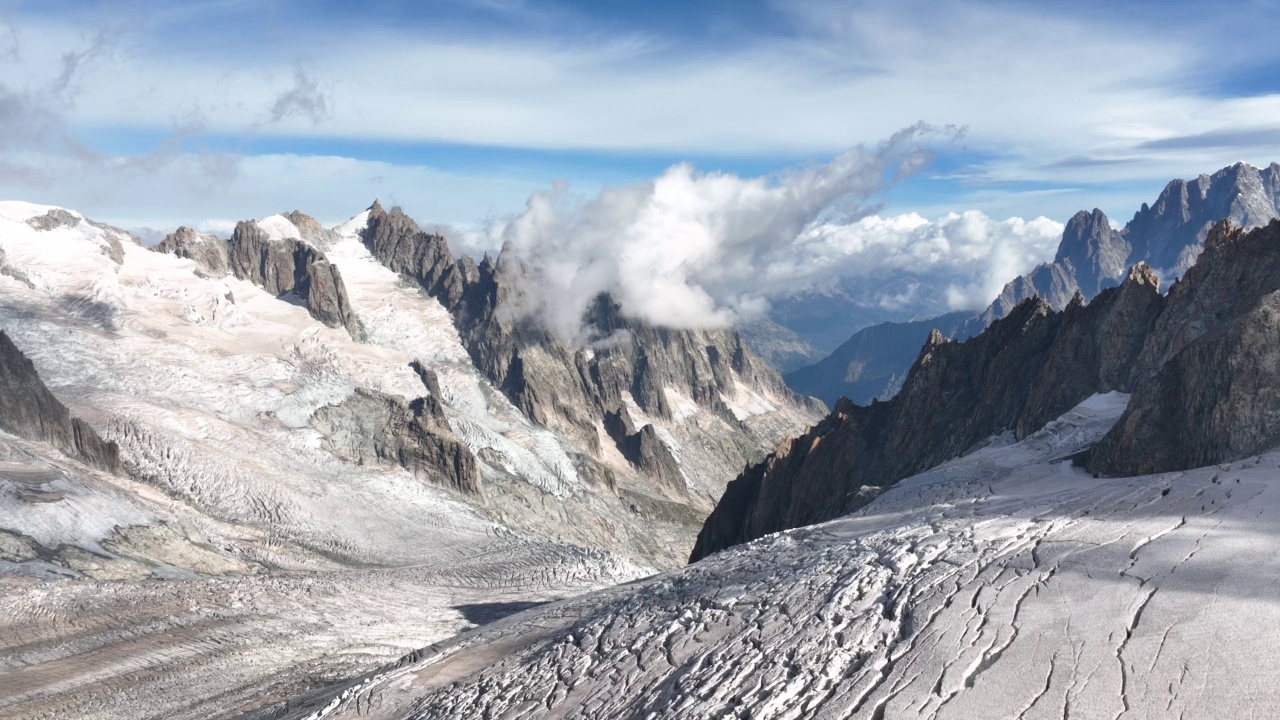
point(560, 386)
point(395, 239)
point(373, 427)
point(29, 410)
point(289, 267)
point(1211, 364)
point(209, 253)
point(646, 451)
point(1096, 348)
point(1202, 366)
point(1021, 372)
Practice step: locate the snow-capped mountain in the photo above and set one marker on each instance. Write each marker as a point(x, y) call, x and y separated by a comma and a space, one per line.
point(299, 438)
point(228, 502)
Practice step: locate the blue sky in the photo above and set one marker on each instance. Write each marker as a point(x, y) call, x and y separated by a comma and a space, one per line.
point(158, 113)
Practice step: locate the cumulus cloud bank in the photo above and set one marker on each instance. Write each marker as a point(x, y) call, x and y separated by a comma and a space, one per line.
point(696, 250)
point(961, 260)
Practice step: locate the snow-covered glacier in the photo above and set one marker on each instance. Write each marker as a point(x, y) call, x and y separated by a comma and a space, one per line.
point(1005, 584)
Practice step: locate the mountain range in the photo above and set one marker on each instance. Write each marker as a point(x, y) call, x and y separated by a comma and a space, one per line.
point(1072, 514)
point(1167, 235)
point(238, 452)
point(324, 472)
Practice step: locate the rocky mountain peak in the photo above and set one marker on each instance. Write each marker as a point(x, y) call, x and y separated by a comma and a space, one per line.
point(583, 392)
point(396, 240)
point(209, 253)
point(1170, 234)
point(281, 266)
point(936, 339)
point(1095, 251)
point(1167, 235)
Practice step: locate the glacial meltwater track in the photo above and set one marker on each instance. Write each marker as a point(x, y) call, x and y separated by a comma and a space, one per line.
point(1006, 584)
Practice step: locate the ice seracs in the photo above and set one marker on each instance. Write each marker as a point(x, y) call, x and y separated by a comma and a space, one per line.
point(1007, 583)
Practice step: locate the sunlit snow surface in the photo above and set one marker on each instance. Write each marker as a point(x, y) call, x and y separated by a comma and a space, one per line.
point(1005, 584)
point(209, 384)
point(246, 564)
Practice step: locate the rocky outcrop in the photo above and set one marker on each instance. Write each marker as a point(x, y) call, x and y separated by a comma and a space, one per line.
point(311, 230)
point(374, 427)
point(284, 266)
point(109, 238)
point(645, 450)
point(208, 252)
point(55, 218)
point(30, 411)
point(567, 387)
point(1015, 376)
point(1211, 364)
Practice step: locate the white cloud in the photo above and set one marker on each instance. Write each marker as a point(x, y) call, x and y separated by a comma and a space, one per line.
point(685, 249)
point(957, 262)
point(692, 249)
point(1034, 85)
point(1048, 95)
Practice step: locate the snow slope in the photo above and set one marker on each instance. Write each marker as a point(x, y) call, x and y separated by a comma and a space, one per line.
point(1005, 584)
point(242, 561)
